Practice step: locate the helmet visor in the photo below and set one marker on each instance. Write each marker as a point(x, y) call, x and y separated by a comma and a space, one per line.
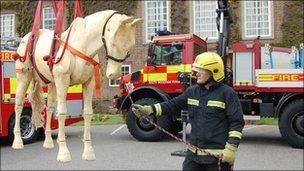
point(199, 70)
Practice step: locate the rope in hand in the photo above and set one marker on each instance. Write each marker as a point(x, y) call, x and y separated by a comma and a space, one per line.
point(190, 145)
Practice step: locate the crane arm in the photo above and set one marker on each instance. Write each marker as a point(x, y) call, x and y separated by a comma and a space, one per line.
point(223, 21)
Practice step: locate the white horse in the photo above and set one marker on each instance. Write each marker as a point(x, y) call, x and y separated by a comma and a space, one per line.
point(108, 28)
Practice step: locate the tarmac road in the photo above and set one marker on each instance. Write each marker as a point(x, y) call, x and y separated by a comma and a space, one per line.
point(262, 148)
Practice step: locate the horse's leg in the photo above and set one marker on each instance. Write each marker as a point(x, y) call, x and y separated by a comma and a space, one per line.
point(23, 83)
point(51, 102)
point(88, 151)
point(62, 84)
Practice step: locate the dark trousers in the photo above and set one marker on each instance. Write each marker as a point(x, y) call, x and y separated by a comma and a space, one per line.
point(189, 164)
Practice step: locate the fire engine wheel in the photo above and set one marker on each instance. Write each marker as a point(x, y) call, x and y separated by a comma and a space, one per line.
point(292, 123)
point(29, 133)
point(143, 130)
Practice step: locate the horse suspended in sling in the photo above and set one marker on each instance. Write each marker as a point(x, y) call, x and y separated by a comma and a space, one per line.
point(114, 31)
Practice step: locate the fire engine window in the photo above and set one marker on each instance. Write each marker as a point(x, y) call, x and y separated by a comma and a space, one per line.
point(9, 69)
point(167, 55)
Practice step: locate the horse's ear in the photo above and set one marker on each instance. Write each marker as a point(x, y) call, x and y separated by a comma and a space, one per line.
point(136, 21)
point(127, 20)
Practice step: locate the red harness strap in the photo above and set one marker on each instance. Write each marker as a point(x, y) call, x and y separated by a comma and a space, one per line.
point(96, 65)
point(55, 9)
point(77, 9)
point(59, 9)
point(33, 37)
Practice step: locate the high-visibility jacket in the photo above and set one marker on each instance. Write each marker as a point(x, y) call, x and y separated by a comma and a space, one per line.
point(215, 115)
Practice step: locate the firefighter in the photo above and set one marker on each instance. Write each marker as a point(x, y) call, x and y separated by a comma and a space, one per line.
point(215, 115)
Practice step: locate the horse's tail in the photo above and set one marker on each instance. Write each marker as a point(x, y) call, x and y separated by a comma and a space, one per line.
point(37, 102)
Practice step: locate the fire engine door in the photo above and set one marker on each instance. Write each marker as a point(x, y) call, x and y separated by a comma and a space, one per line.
point(9, 81)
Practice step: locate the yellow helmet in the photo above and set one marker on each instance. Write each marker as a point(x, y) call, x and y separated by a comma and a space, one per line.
point(212, 62)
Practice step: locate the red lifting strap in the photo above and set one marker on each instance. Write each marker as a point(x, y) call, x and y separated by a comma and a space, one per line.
point(59, 17)
point(54, 4)
point(30, 46)
point(35, 30)
point(59, 9)
point(77, 9)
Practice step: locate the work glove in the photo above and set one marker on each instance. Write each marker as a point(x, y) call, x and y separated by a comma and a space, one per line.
point(228, 154)
point(140, 110)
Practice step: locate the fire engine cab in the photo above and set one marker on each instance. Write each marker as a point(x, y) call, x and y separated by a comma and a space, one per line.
point(8, 86)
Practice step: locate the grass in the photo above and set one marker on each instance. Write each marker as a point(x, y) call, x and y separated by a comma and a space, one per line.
point(269, 121)
point(104, 119)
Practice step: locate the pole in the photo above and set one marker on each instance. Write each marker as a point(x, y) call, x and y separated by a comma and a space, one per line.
point(183, 152)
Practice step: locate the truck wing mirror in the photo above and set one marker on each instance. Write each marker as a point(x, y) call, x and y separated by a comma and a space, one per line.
point(149, 60)
point(135, 76)
point(150, 50)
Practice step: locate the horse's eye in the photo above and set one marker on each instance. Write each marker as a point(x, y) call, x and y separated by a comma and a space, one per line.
point(108, 29)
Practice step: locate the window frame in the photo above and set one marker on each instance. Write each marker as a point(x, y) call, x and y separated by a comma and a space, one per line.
point(13, 26)
point(144, 3)
point(270, 22)
point(47, 19)
point(117, 85)
point(210, 39)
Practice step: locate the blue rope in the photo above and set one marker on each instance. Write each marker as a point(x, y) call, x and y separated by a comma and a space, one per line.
point(271, 61)
point(296, 61)
point(301, 57)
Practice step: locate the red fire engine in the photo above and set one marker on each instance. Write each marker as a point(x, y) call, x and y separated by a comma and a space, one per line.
point(268, 80)
point(8, 85)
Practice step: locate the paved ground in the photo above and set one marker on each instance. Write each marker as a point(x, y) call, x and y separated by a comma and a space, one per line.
point(261, 149)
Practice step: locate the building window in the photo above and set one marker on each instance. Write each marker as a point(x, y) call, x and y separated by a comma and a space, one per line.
point(157, 17)
point(204, 20)
point(7, 26)
point(48, 18)
point(125, 69)
point(257, 18)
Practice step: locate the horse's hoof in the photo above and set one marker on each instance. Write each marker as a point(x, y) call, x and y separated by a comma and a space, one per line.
point(88, 156)
point(17, 145)
point(64, 157)
point(48, 144)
